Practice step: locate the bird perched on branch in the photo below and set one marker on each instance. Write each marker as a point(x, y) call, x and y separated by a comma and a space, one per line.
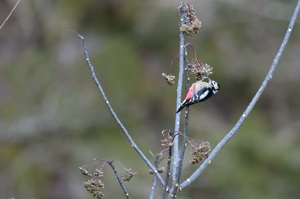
point(199, 92)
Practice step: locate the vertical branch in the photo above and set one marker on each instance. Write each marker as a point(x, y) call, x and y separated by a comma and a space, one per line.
point(233, 131)
point(179, 90)
point(165, 189)
point(185, 130)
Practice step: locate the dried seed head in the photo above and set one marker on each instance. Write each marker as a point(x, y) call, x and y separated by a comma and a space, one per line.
point(200, 152)
point(191, 23)
point(167, 142)
point(128, 174)
point(84, 171)
point(93, 186)
point(98, 173)
point(161, 169)
point(151, 172)
point(169, 79)
point(200, 70)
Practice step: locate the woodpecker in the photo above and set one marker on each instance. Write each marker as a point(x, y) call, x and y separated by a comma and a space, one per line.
point(199, 92)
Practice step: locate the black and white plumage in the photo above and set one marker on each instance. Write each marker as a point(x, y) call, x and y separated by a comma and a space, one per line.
point(199, 92)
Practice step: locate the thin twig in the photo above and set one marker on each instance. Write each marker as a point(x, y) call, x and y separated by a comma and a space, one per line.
point(165, 189)
point(9, 14)
point(154, 180)
point(195, 52)
point(233, 131)
point(119, 179)
point(114, 115)
point(179, 90)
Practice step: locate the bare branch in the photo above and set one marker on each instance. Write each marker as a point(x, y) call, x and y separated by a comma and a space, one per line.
point(119, 179)
point(185, 131)
point(165, 189)
point(114, 115)
point(154, 180)
point(179, 90)
point(8, 16)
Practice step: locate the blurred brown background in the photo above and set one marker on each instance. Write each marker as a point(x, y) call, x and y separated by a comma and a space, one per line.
point(53, 120)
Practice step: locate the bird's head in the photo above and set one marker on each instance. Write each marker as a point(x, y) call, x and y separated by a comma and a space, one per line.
point(215, 86)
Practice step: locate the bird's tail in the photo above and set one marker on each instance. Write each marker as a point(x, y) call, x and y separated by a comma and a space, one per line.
point(182, 105)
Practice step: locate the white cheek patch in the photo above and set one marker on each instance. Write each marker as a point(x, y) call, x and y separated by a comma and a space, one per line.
point(215, 91)
point(215, 85)
point(204, 94)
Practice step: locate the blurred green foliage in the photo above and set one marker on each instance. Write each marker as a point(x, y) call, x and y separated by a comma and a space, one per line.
point(53, 119)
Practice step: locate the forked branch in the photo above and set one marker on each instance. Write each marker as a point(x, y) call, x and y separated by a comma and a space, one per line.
point(233, 131)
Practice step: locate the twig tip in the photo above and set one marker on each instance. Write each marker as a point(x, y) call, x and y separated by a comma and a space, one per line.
point(79, 35)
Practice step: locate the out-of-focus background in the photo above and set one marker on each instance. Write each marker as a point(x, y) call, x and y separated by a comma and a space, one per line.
point(53, 119)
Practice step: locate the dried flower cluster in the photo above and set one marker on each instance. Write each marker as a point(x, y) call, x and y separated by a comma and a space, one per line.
point(128, 174)
point(169, 79)
point(160, 170)
point(93, 185)
point(200, 151)
point(168, 141)
point(191, 22)
point(84, 171)
point(200, 70)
